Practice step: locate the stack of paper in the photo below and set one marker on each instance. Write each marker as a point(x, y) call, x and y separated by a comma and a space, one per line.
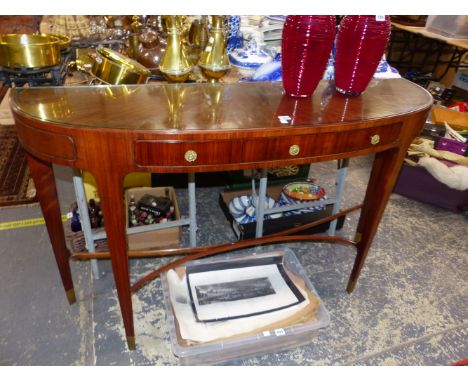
point(232, 298)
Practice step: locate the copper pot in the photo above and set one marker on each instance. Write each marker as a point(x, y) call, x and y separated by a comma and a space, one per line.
point(114, 68)
point(29, 50)
point(150, 50)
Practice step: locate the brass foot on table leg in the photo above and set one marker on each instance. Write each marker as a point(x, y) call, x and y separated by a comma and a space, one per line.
point(71, 296)
point(351, 285)
point(131, 343)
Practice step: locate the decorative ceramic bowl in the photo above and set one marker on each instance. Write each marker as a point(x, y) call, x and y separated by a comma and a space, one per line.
point(302, 192)
point(243, 208)
point(271, 71)
point(277, 18)
point(384, 70)
point(251, 57)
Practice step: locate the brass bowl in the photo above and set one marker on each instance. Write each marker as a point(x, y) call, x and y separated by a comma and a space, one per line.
point(29, 51)
point(114, 68)
point(64, 41)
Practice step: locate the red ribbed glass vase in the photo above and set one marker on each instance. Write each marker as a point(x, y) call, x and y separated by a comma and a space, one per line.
point(360, 45)
point(306, 45)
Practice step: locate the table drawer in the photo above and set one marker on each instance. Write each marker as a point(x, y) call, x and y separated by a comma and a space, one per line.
point(186, 153)
point(321, 144)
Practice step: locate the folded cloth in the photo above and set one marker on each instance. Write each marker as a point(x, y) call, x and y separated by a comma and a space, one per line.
point(455, 177)
point(422, 147)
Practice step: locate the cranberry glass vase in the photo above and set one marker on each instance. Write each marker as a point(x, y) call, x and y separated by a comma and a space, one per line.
point(360, 45)
point(306, 45)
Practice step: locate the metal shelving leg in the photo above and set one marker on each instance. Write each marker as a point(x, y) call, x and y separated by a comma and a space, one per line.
point(340, 183)
point(261, 203)
point(84, 219)
point(192, 210)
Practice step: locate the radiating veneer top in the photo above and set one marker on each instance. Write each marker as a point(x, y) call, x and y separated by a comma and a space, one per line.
point(208, 107)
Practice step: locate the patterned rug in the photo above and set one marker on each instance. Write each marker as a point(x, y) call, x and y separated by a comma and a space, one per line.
point(16, 186)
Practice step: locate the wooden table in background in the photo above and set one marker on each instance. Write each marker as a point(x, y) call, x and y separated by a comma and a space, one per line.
point(111, 131)
point(458, 42)
point(414, 48)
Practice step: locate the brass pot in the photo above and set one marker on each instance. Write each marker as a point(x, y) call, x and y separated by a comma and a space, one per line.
point(114, 68)
point(64, 41)
point(29, 50)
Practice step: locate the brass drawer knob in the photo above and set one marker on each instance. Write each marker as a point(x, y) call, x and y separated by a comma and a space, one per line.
point(375, 139)
point(190, 156)
point(294, 150)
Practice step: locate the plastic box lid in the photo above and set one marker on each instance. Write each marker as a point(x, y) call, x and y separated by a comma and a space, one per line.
point(451, 26)
point(273, 340)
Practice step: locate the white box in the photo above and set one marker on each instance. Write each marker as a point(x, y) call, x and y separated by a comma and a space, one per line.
point(461, 79)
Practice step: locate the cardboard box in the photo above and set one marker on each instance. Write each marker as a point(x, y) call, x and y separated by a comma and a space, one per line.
point(456, 119)
point(247, 231)
point(134, 179)
point(418, 184)
point(167, 237)
point(461, 79)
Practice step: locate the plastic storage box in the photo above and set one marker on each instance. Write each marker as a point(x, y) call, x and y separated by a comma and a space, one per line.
point(453, 146)
point(452, 26)
point(418, 184)
point(271, 338)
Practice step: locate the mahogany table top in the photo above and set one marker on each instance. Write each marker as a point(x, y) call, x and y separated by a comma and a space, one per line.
point(208, 107)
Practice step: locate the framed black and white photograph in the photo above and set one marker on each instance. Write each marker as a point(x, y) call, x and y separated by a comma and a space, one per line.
point(230, 290)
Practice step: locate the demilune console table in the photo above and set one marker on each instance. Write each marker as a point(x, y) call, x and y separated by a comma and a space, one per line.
point(111, 131)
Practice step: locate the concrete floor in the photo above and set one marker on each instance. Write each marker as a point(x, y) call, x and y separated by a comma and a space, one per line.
point(409, 307)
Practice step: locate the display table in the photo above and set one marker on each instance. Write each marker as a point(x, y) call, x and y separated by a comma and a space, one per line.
point(419, 47)
point(111, 131)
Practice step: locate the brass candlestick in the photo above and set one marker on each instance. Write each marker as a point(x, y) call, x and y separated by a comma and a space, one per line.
point(214, 61)
point(197, 38)
point(175, 65)
point(133, 38)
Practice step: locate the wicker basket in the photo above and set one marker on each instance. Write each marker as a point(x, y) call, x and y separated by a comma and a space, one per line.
point(76, 241)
